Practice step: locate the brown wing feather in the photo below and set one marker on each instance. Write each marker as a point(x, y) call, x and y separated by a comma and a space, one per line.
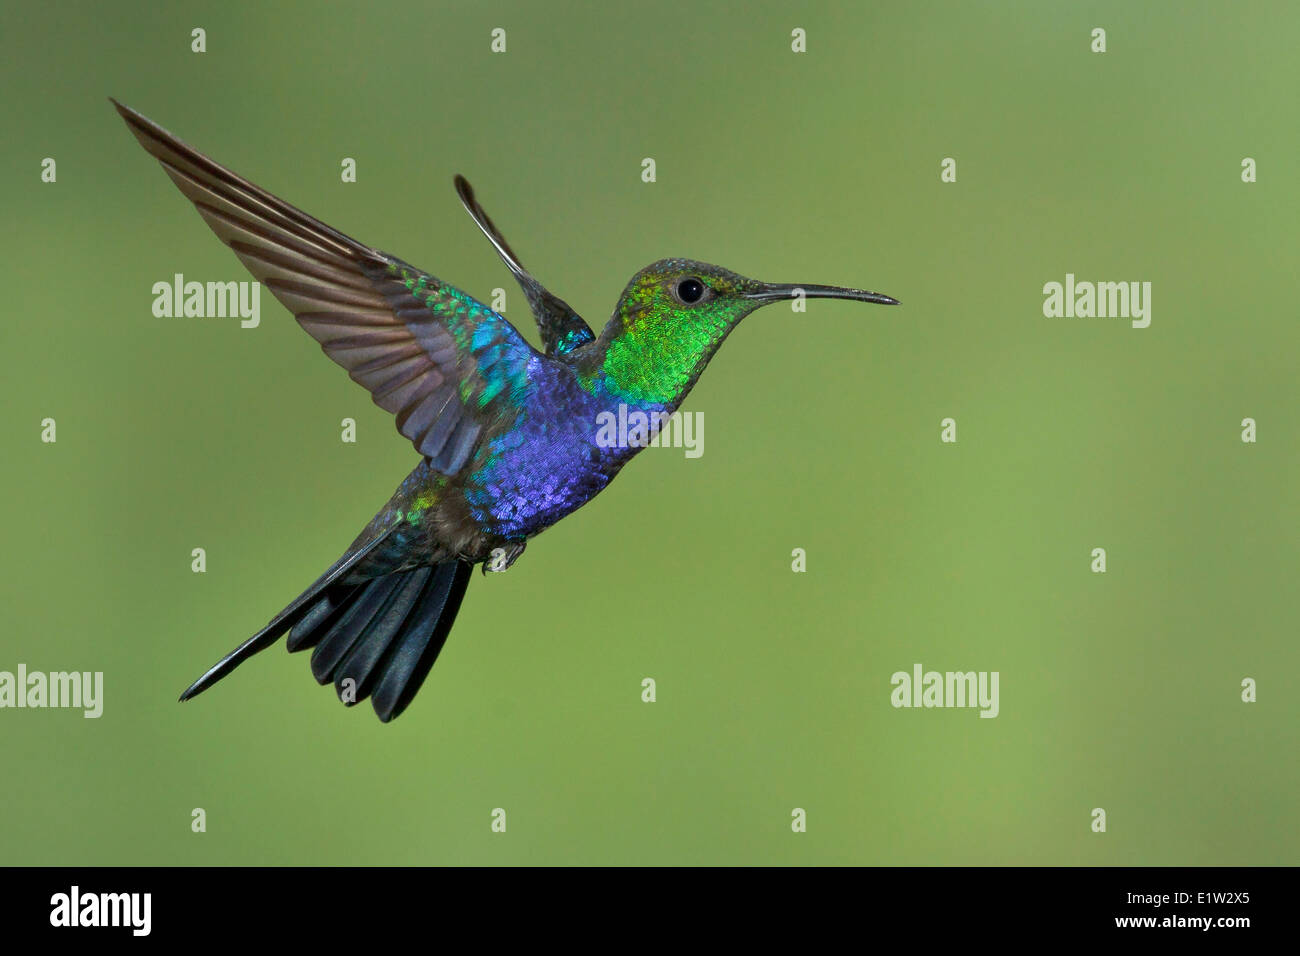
point(360, 304)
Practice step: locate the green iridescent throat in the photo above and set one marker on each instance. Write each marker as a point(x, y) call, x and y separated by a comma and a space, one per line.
point(659, 347)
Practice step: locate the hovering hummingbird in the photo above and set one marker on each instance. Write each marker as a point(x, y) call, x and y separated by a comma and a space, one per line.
point(507, 435)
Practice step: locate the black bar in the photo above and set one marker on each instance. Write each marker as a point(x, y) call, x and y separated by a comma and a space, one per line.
point(332, 905)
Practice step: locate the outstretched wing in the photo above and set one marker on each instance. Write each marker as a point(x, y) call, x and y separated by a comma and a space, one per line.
point(445, 364)
point(563, 330)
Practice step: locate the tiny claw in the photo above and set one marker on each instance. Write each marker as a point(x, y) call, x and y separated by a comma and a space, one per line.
point(500, 559)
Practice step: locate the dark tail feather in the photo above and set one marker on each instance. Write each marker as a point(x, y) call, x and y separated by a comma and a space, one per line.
point(407, 663)
point(361, 664)
point(348, 627)
point(304, 605)
point(308, 629)
point(380, 640)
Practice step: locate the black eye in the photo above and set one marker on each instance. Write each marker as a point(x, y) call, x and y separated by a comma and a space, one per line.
point(690, 291)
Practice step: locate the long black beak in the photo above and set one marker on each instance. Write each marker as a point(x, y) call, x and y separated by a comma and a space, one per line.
point(774, 292)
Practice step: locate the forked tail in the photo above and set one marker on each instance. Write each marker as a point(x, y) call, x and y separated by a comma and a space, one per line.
point(375, 638)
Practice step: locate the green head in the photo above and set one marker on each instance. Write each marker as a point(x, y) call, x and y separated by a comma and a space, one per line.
point(672, 317)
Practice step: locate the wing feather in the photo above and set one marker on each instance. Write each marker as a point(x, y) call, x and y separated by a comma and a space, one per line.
point(447, 366)
point(561, 328)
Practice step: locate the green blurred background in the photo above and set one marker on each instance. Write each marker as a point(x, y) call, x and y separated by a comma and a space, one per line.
point(1118, 690)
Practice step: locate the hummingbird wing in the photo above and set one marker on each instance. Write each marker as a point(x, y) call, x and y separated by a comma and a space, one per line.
point(562, 329)
point(445, 364)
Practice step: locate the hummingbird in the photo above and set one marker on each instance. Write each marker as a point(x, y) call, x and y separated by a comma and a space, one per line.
point(507, 435)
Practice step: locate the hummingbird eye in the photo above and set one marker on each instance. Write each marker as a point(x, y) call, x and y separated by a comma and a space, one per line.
point(690, 290)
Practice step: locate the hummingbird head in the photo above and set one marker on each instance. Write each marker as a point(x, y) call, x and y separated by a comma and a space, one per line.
point(675, 313)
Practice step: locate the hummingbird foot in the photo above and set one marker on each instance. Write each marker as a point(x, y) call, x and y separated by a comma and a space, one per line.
point(501, 558)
